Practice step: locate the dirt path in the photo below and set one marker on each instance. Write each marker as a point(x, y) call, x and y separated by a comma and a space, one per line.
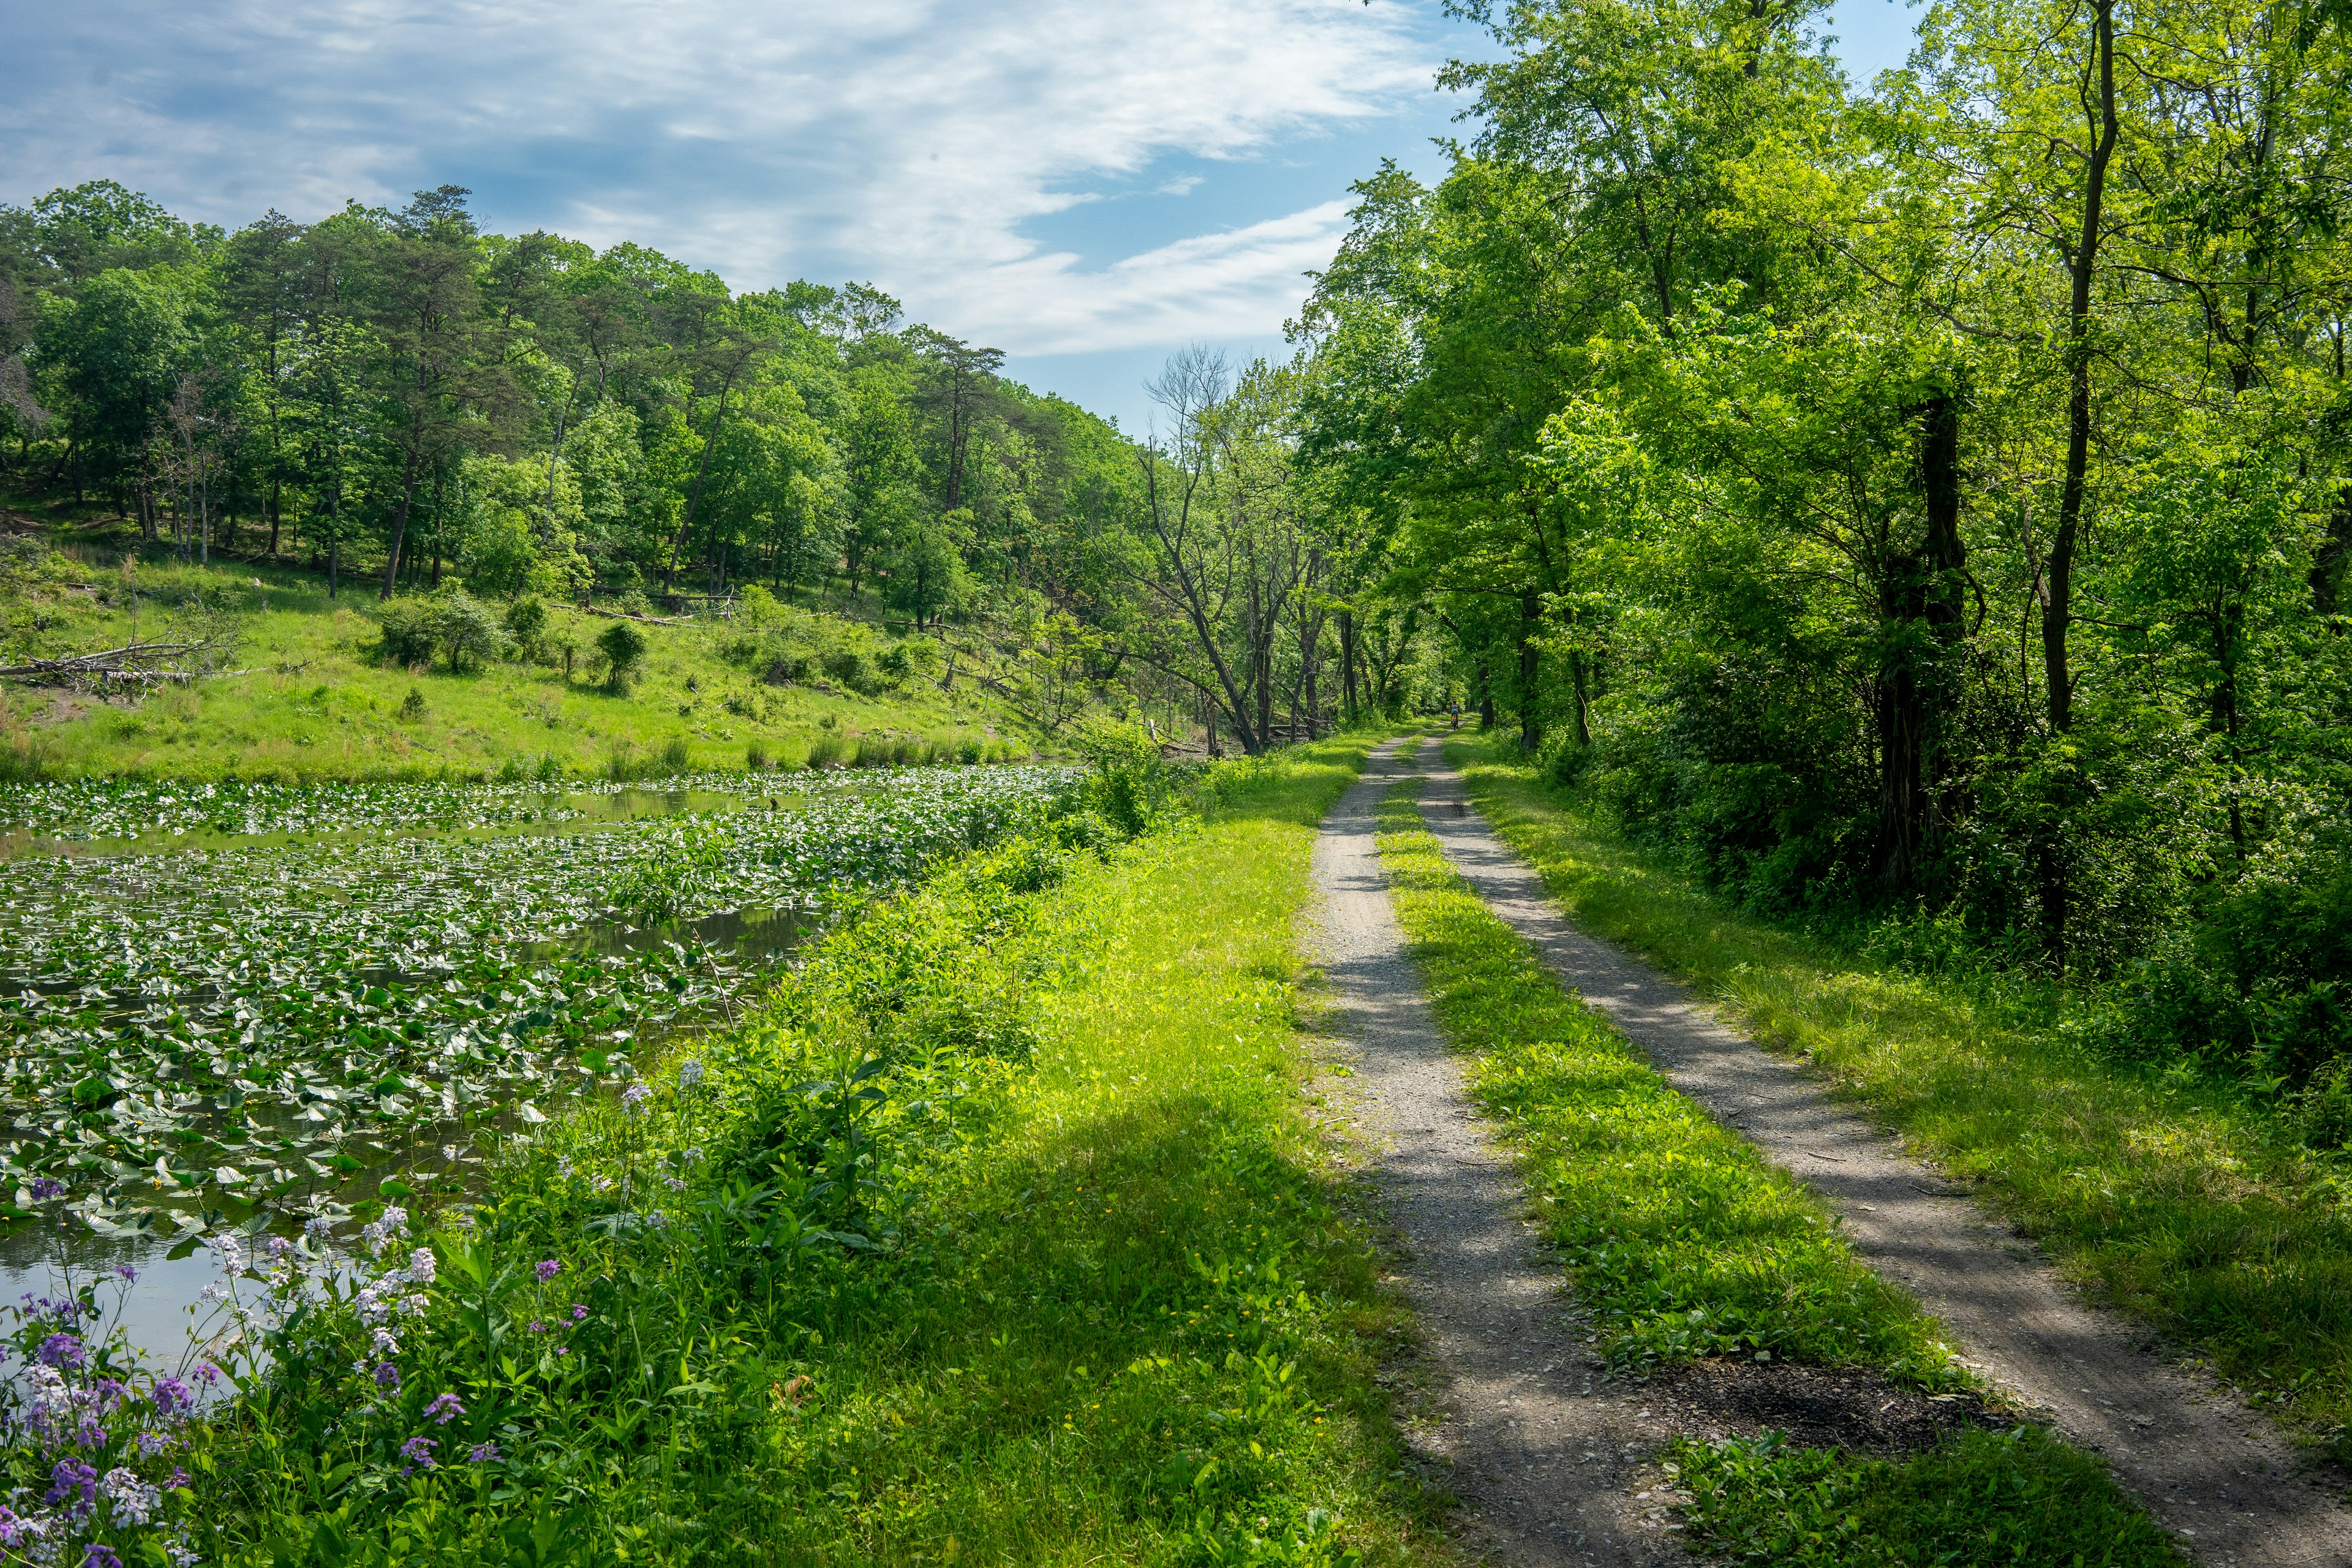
point(1548, 1465)
point(2209, 1466)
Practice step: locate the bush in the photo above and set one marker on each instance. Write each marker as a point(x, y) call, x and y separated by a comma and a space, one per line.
point(527, 623)
point(827, 750)
point(410, 629)
point(850, 667)
point(623, 650)
point(412, 709)
point(470, 635)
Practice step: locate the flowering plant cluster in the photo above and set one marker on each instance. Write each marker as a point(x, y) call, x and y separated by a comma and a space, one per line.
point(94, 1436)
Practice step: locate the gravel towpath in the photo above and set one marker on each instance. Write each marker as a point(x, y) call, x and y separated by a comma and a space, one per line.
point(2208, 1466)
point(1548, 1463)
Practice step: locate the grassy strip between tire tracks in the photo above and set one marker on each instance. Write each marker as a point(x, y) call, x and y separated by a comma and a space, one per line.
point(1121, 1311)
point(2181, 1203)
point(1683, 1242)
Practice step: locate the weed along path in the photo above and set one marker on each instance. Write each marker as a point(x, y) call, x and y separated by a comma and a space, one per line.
point(2206, 1466)
point(1549, 1462)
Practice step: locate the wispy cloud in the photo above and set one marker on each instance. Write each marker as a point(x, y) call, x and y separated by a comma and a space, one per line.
point(913, 142)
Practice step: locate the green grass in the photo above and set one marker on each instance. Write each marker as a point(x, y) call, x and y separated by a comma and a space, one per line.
point(2185, 1205)
point(1684, 1243)
point(315, 700)
point(1980, 1498)
point(1117, 1307)
point(1675, 1233)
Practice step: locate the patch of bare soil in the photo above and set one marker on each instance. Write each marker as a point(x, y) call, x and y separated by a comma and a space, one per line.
point(1817, 1407)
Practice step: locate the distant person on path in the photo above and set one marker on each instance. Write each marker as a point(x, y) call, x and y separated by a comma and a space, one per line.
point(1453, 710)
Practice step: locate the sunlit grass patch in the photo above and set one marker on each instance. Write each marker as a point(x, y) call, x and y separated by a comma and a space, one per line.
point(1977, 1498)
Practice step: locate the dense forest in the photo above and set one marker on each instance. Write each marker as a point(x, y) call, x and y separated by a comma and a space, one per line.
point(1928, 503)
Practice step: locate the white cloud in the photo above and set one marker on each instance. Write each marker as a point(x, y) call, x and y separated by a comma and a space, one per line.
point(905, 140)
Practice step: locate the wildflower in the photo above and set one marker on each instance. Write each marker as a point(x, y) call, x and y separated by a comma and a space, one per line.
point(414, 1305)
point(421, 1266)
point(385, 1343)
point(659, 1220)
point(72, 1476)
point(673, 1183)
point(13, 1531)
point(536, 1327)
point(176, 1479)
point(170, 1396)
point(563, 1167)
point(318, 1227)
point(578, 1312)
point(444, 1410)
point(183, 1555)
point(689, 1155)
point(207, 1375)
point(483, 1454)
point(387, 1377)
point(46, 1187)
point(231, 1256)
point(62, 1351)
point(547, 1269)
point(634, 1097)
point(128, 1275)
point(690, 1073)
point(377, 1234)
point(97, 1556)
point(418, 1452)
point(134, 1501)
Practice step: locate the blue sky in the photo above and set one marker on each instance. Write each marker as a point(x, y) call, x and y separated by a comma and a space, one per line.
point(1085, 186)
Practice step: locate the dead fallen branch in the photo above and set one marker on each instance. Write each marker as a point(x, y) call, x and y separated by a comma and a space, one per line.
point(134, 664)
point(624, 616)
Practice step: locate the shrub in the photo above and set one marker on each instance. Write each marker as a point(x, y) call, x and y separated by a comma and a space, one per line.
point(413, 707)
point(755, 757)
point(623, 650)
point(849, 666)
point(527, 623)
point(470, 635)
point(409, 629)
point(826, 751)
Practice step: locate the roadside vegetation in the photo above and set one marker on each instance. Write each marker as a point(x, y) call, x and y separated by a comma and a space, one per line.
point(1683, 1243)
point(995, 1234)
point(2199, 1206)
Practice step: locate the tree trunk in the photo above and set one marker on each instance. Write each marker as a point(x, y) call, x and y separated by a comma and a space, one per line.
point(399, 519)
point(1530, 727)
point(2057, 605)
point(1348, 660)
point(1919, 608)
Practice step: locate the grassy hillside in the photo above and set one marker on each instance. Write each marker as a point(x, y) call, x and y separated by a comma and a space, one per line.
point(310, 692)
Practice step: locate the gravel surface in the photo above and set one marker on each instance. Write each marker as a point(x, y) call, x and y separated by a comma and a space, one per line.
point(1549, 1461)
point(2209, 1466)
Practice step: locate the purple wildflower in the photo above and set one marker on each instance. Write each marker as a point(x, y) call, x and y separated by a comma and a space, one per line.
point(12, 1529)
point(578, 1312)
point(63, 1352)
point(208, 1374)
point(418, 1452)
point(71, 1477)
point(483, 1454)
point(388, 1376)
point(536, 1327)
point(98, 1556)
point(444, 1410)
point(179, 1479)
point(46, 1187)
point(172, 1396)
point(634, 1097)
point(130, 1276)
point(547, 1268)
